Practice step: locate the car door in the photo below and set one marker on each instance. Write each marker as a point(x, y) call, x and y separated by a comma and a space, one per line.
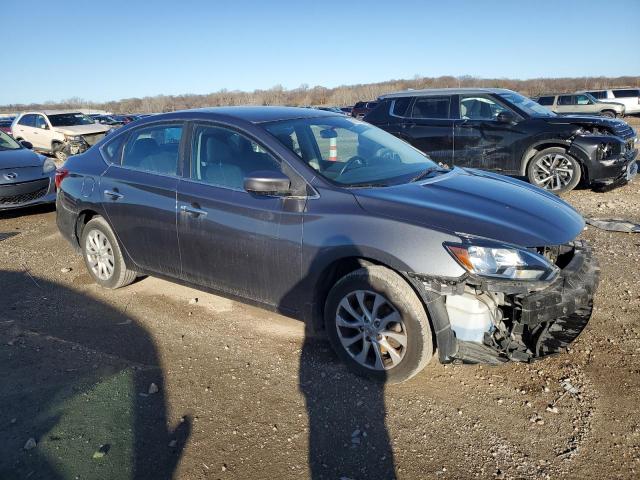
point(566, 104)
point(237, 242)
point(429, 127)
point(41, 133)
point(139, 195)
point(25, 128)
point(482, 140)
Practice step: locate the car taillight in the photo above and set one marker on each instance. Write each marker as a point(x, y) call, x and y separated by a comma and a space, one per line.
point(61, 174)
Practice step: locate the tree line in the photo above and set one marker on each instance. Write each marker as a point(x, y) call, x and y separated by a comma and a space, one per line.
point(314, 96)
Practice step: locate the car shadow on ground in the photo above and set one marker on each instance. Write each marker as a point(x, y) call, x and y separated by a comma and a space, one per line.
point(77, 378)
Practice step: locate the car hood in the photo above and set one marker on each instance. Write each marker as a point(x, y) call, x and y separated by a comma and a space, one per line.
point(82, 129)
point(19, 159)
point(480, 204)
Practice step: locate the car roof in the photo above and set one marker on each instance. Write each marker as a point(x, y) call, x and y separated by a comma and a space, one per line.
point(443, 91)
point(50, 112)
point(252, 114)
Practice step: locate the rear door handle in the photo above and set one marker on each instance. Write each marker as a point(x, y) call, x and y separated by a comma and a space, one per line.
point(113, 195)
point(191, 210)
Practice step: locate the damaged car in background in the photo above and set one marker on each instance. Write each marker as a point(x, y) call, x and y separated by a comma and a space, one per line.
point(334, 221)
point(58, 132)
point(502, 131)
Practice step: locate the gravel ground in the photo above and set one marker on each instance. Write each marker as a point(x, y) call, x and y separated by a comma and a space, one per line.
point(147, 382)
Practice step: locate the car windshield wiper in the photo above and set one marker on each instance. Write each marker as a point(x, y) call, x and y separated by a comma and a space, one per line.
point(368, 185)
point(425, 173)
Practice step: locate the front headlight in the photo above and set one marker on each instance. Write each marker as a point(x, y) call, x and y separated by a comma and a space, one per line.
point(48, 166)
point(74, 138)
point(502, 262)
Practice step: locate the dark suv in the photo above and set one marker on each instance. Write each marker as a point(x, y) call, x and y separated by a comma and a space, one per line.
point(336, 222)
point(503, 131)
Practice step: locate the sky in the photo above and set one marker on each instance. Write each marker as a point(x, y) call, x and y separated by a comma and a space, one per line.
point(109, 50)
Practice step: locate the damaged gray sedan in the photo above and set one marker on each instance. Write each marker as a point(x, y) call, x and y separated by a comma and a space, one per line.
point(337, 223)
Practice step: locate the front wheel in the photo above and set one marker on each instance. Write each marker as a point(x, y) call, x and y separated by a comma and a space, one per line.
point(555, 170)
point(102, 255)
point(608, 114)
point(378, 326)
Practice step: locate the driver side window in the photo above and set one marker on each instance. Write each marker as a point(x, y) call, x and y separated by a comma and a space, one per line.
point(224, 157)
point(480, 108)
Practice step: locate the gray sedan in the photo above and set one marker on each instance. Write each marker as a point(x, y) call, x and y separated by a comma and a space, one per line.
point(26, 178)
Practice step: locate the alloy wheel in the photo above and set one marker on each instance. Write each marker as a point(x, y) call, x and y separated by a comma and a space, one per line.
point(553, 171)
point(371, 330)
point(99, 254)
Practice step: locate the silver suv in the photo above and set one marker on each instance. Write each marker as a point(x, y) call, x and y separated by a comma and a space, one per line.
point(629, 97)
point(581, 103)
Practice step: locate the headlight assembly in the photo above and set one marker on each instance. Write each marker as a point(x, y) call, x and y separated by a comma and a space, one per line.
point(48, 166)
point(502, 262)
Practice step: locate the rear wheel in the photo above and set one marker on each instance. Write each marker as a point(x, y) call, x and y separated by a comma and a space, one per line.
point(102, 255)
point(555, 170)
point(378, 326)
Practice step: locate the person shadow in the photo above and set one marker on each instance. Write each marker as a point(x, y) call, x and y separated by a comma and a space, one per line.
point(83, 393)
point(348, 436)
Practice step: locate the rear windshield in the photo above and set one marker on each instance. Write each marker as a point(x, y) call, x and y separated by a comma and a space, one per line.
point(626, 93)
point(69, 119)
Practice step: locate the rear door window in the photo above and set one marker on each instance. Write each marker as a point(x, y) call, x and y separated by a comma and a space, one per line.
point(432, 107)
point(154, 149)
point(565, 100)
point(400, 106)
point(27, 120)
point(626, 93)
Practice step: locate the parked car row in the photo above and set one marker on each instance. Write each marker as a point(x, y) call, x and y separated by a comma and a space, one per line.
point(581, 103)
point(504, 132)
point(353, 229)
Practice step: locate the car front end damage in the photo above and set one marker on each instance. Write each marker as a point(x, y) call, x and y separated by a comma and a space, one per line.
point(76, 144)
point(491, 320)
point(609, 152)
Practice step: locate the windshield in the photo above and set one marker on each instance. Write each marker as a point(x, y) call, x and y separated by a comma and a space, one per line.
point(8, 143)
point(528, 106)
point(69, 119)
point(352, 153)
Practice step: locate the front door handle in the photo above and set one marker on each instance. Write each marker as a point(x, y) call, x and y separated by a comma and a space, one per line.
point(113, 195)
point(196, 212)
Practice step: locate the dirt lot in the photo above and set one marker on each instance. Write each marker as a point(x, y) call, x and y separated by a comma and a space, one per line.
point(243, 393)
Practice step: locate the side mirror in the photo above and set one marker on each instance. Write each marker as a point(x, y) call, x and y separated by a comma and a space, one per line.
point(267, 182)
point(43, 126)
point(506, 117)
point(26, 144)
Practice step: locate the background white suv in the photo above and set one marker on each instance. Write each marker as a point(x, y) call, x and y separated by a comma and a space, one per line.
point(629, 97)
point(62, 133)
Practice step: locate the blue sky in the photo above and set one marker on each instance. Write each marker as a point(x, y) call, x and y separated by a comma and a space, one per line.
point(108, 50)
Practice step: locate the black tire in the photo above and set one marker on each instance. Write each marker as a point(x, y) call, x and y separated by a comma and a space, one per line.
point(608, 113)
point(396, 290)
point(575, 179)
point(121, 276)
